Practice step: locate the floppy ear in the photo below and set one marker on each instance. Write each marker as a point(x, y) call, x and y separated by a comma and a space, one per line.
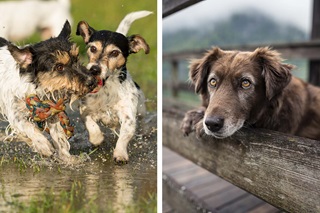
point(22, 56)
point(136, 43)
point(276, 74)
point(66, 30)
point(85, 31)
point(200, 68)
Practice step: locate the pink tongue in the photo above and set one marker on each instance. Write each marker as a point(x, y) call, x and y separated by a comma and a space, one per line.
point(100, 84)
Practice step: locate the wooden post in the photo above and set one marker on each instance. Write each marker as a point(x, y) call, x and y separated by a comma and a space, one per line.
point(281, 169)
point(314, 65)
point(175, 77)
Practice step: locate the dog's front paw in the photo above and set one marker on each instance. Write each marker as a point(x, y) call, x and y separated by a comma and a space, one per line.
point(190, 120)
point(120, 156)
point(199, 129)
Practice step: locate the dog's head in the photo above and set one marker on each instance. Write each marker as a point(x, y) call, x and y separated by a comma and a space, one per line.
point(235, 85)
point(54, 68)
point(108, 51)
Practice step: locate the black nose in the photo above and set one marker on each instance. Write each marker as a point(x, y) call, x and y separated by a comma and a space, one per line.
point(95, 70)
point(91, 82)
point(214, 123)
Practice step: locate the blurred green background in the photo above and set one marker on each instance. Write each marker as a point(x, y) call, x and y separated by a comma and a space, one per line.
point(106, 15)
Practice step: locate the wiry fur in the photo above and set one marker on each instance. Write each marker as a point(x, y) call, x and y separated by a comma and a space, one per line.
point(251, 89)
point(49, 69)
point(120, 100)
point(20, 19)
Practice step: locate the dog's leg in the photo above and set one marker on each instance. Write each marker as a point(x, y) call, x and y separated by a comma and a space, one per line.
point(191, 121)
point(127, 131)
point(18, 121)
point(95, 134)
point(60, 141)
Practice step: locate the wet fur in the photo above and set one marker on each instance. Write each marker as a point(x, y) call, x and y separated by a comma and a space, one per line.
point(275, 100)
point(51, 70)
point(120, 101)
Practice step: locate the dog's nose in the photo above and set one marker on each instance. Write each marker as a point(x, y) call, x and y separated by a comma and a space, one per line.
point(214, 123)
point(95, 70)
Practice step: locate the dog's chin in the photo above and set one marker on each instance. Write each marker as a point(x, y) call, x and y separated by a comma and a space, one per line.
point(224, 133)
point(101, 83)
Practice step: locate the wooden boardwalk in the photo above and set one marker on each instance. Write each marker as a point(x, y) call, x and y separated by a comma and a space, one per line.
point(190, 188)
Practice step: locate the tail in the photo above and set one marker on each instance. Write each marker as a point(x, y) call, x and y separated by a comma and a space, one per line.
point(125, 24)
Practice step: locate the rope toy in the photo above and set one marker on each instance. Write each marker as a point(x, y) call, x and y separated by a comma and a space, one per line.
point(40, 111)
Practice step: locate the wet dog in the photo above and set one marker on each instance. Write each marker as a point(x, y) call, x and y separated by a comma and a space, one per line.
point(120, 100)
point(49, 70)
point(20, 19)
point(254, 89)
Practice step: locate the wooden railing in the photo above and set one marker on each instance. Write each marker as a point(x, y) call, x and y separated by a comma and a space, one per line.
point(281, 169)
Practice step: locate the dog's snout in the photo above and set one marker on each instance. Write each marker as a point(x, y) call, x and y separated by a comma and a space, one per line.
point(214, 123)
point(95, 70)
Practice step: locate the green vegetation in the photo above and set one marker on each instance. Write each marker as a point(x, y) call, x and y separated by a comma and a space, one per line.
point(240, 28)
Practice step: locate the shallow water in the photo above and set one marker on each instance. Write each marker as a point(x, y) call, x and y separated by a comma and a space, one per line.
point(97, 185)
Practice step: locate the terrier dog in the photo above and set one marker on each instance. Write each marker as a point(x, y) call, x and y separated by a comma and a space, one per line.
point(50, 70)
point(20, 19)
point(120, 99)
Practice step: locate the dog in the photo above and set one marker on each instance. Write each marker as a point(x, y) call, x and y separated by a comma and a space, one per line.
point(20, 19)
point(251, 89)
point(120, 99)
point(49, 70)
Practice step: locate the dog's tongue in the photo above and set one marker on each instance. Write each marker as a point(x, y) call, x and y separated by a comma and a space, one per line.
point(100, 85)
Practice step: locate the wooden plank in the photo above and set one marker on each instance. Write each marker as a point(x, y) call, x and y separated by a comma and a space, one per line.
point(171, 6)
point(264, 208)
point(284, 170)
point(307, 50)
point(244, 204)
point(314, 65)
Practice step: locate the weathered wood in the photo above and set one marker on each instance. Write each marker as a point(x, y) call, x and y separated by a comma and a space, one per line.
point(171, 6)
point(308, 50)
point(175, 77)
point(281, 169)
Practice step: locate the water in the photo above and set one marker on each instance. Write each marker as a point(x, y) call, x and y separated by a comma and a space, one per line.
point(98, 185)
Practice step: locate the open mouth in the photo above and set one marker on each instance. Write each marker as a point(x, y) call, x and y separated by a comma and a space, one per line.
point(99, 86)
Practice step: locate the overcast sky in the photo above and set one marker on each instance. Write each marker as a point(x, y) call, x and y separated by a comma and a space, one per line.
point(296, 12)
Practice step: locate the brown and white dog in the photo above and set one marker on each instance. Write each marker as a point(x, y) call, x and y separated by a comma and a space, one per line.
point(120, 100)
point(254, 89)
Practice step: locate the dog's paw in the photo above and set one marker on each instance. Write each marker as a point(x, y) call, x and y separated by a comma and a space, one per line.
point(120, 156)
point(190, 120)
point(199, 129)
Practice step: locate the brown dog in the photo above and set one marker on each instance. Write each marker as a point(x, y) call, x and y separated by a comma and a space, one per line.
point(251, 89)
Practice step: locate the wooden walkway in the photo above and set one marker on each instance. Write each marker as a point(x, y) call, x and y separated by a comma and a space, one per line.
point(190, 188)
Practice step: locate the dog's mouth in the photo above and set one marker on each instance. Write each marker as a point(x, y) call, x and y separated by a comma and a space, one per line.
point(100, 84)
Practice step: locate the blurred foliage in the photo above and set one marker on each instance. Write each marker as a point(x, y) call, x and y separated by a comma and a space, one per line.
point(240, 28)
point(107, 15)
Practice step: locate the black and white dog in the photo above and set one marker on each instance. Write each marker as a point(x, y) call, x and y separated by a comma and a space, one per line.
point(120, 100)
point(51, 71)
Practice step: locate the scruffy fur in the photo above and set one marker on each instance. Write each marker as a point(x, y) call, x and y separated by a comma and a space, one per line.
point(254, 89)
point(120, 99)
point(51, 70)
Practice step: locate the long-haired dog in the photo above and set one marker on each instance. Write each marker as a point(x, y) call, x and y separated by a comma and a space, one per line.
point(254, 89)
point(50, 70)
point(120, 100)
point(20, 19)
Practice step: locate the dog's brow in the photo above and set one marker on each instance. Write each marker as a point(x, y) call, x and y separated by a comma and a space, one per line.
point(62, 57)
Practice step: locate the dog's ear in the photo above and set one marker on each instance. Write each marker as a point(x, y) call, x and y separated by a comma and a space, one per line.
point(276, 74)
point(66, 30)
point(200, 68)
point(136, 43)
point(85, 31)
point(22, 56)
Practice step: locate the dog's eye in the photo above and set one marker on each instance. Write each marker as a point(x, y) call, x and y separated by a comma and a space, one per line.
point(114, 53)
point(59, 67)
point(93, 49)
point(213, 82)
point(245, 84)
